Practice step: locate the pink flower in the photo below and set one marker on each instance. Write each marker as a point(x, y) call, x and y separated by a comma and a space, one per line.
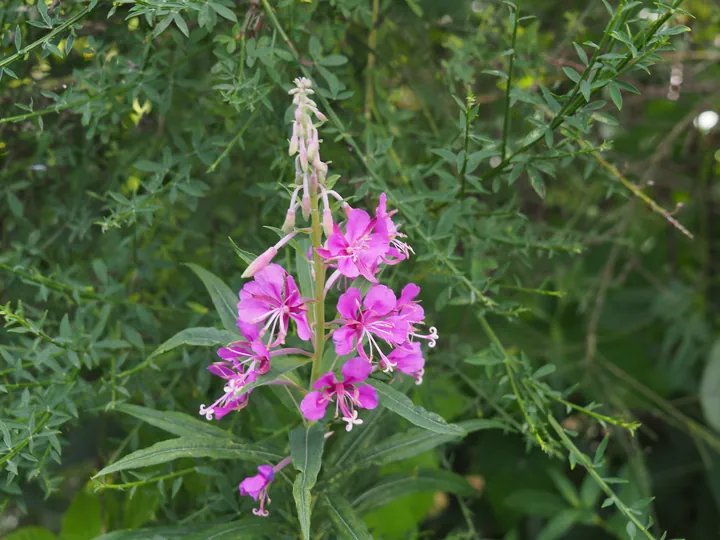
point(241, 364)
point(347, 394)
point(358, 251)
point(271, 300)
point(257, 487)
point(407, 359)
point(398, 248)
point(233, 398)
point(411, 311)
point(375, 318)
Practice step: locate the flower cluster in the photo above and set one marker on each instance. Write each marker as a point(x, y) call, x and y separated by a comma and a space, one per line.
point(378, 330)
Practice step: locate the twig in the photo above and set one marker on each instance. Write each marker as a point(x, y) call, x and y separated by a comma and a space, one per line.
point(506, 120)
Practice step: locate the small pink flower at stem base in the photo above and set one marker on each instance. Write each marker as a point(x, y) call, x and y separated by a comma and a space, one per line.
point(257, 487)
point(347, 395)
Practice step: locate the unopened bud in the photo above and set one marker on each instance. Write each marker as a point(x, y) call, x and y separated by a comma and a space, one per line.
point(327, 222)
point(261, 262)
point(289, 223)
point(303, 156)
point(305, 206)
point(320, 116)
point(346, 208)
point(293, 146)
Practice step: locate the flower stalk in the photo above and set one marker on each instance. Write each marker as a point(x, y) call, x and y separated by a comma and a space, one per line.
point(319, 267)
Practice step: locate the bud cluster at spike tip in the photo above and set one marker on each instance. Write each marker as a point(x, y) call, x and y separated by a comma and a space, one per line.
point(381, 331)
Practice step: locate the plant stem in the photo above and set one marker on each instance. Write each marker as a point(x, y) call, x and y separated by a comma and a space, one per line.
point(510, 371)
point(583, 460)
point(506, 121)
point(145, 482)
point(468, 113)
point(319, 267)
point(47, 37)
point(369, 71)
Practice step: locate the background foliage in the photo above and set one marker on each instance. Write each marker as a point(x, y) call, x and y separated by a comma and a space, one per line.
point(573, 304)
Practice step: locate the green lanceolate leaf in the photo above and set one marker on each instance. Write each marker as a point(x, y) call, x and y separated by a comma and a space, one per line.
point(197, 337)
point(224, 299)
point(416, 441)
point(347, 523)
point(398, 485)
point(710, 388)
point(243, 528)
point(306, 449)
point(177, 423)
point(191, 447)
point(280, 366)
point(401, 405)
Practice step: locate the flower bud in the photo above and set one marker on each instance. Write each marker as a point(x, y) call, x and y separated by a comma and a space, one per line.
point(289, 223)
point(260, 262)
point(327, 222)
point(305, 205)
point(293, 145)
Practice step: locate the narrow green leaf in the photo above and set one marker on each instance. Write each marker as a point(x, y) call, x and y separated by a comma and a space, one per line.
point(224, 299)
point(581, 54)
point(223, 11)
point(600, 452)
point(573, 75)
point(710, 388)
point(315, 48)
point(83, 519)
point(176, 423)
point(306, 449)
point(416, 441)
point(198, 337)
point(244, 528)
point(191, 447)
point(616, 95)
point(181, 24)
point(279, 366)
point(544, 371)
point(18, 38)
point(334, 60)
point(398, 485)
point(347, 523)
point(401, 405)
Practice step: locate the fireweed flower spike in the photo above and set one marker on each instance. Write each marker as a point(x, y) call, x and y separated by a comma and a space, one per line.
point(258, 486)
point(271, 300)
point(380, 330)
point(347, 394)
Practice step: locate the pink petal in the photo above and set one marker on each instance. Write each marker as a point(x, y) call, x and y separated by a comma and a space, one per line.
point(250, 331)
point(303, 329)
point(325, 381)
point(344, 339)
point(253, 486)
point(409, 292)
point(367, 397)
point(272, 280)
point(250, 310)
point(380, 300)
point(221, 369)
point(356, 370)
point(357, 224)
point(337, 244)
point(348, 268)
point(267, 471)
point(408, 361)
point(313, 406)
point(349, 303)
